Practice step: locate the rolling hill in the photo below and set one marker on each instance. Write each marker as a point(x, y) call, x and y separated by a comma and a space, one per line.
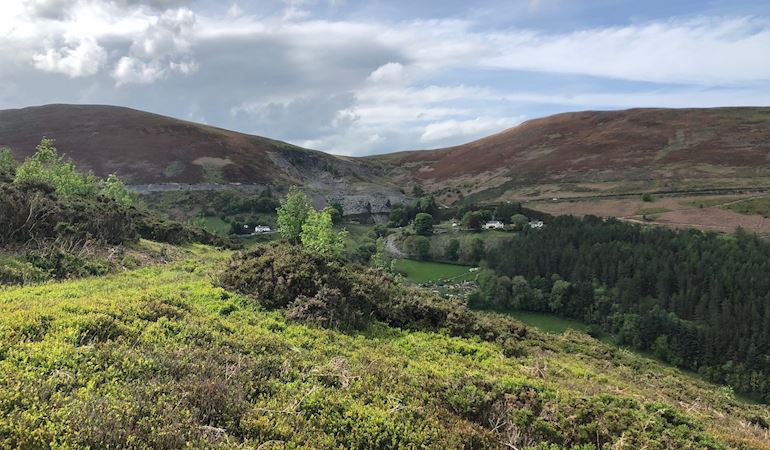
point(573, 155)
point(145, 148)
point(572, 152)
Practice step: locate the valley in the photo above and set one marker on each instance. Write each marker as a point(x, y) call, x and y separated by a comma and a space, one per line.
point(349, 303)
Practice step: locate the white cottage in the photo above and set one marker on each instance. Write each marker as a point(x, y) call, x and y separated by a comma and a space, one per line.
point(494, 225)
point(536, 224)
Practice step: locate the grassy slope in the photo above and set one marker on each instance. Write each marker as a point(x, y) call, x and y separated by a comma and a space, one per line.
point(159, 357)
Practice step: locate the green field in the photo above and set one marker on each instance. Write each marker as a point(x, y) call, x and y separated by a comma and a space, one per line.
point(214, 225)
point(548, 322)
point(428, 272)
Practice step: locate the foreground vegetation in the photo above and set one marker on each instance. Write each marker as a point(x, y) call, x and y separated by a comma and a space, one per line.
point(57, 222)
point(160, 358)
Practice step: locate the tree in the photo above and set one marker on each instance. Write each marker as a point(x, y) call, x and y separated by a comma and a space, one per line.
point(423, 224)
point(292, 215)
point(417, 247)
point(114, 188)
point(452, 251)
point(337, 212)
point(48, 167)
point(426, 204)
point(504, 211)
point(519, 221)
point(399, 216)
point(319, 237)
point(474, 251)
point(7, 165)
point(418, 191)
point(558, 295)
point(381, 258)
point(472, 221)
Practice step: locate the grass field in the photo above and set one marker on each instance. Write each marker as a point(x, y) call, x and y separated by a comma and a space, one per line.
point(548, 322)
point(214, 225)
point(429, 272)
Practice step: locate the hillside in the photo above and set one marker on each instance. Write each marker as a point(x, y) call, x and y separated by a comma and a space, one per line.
point(620, 150)
point(146, 148)
point(592, 162)
point(158, 358)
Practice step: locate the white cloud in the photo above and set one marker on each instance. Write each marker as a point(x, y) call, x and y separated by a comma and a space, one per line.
point(162, 48)
point(388, 73)
point(704, 51)
point(480, 126)
point(132, 70)
point(76, 59)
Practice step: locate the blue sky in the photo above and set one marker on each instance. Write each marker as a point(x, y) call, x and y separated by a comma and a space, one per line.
point(362, 77)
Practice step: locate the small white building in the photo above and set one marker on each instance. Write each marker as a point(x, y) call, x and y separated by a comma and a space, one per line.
point(536, 224)
point(261, 229)
point(494, 225)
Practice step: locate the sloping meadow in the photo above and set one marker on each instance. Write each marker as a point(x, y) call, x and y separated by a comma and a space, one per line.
point(161, 357)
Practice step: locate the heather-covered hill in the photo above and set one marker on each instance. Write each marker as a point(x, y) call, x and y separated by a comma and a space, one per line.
point(666, 147)
point(145, 148)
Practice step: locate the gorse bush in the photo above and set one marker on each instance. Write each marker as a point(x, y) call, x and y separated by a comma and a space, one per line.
point(329, 292)
point(35, 212)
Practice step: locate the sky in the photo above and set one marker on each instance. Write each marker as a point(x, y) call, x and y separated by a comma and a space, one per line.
point(362, 77)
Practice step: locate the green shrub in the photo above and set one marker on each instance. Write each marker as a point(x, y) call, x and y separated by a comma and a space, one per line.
point(15, 271)
point(330, 293)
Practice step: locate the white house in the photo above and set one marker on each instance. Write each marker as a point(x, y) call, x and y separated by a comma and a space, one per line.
point(536, 224)
point(261, 229)
point(494, 225)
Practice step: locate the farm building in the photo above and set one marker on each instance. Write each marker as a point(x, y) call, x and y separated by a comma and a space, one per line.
point(536, 224)
point(494, 225)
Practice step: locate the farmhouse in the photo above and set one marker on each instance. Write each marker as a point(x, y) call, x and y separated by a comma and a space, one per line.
point(261, 229)
point(536, 224)
point(494, 225)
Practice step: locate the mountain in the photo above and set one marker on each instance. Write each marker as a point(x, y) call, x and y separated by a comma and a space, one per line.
point(643, 148)
point(144, 148)
point(582, 154)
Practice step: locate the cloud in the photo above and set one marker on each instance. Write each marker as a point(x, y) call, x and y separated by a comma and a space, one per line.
point(466, 129)
point(303, 117)
point(76, 59)
point(390, 72)
point(47, 9)
point(162, 48)
point(705, 51)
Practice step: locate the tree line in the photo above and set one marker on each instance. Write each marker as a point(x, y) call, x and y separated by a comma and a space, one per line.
point(700, 301)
